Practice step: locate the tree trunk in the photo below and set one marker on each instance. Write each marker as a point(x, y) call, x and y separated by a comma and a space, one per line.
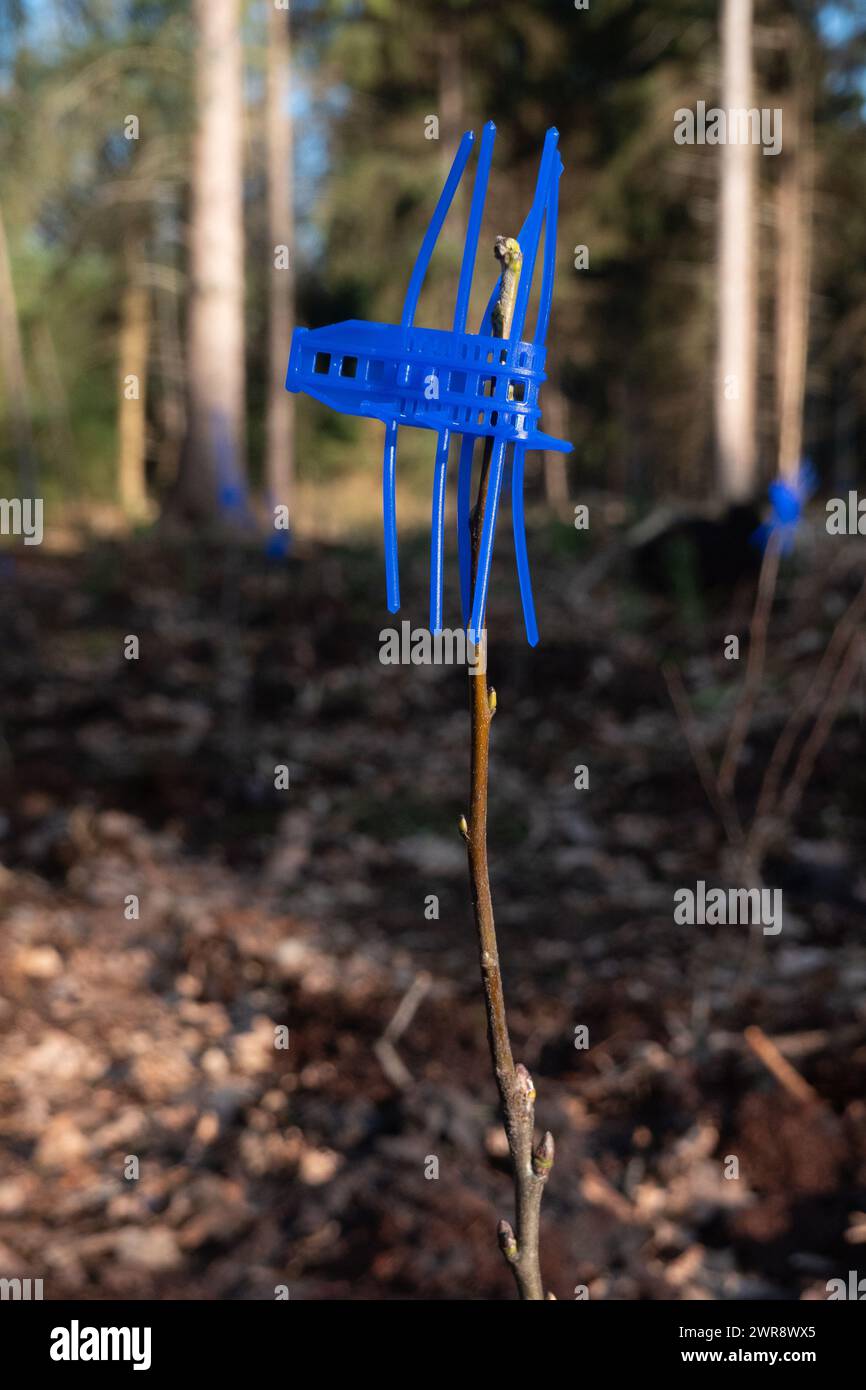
point(132, 388)
point(280, 459)
point(793, 229)
point(14, 373)
point(213, 462)
point(738, 315)
point(53, 391)
point(171, 407)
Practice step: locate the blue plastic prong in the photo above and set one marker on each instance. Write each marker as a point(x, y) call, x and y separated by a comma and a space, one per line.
point(464, 508)
point(551, 216)
point(389, 512)
point(437, 531)
point(533, 234)
point(485, 550)
point(520, 551)
point(473, 229)
point(446, 198)
point(523, 235)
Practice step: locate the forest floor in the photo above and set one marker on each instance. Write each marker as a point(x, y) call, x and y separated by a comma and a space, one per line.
point(151, 1036)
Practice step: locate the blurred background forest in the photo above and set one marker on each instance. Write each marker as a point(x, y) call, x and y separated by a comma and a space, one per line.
point(180, 185)
point(116, 213)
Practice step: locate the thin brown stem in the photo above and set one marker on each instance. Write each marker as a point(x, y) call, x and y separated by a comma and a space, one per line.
point(725, 809)
point(810, 702)
point(821, 729)
point(823, 698)
point(754, 667)
point(516, 1088)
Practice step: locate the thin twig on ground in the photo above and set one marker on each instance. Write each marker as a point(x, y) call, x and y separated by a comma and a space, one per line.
point(823, 699)
point(787, 1076)
point(814, 694)
point(701, 758)
point(742, 719)
point(385, 1047)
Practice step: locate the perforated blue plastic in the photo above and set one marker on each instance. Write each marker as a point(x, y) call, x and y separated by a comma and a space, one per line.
point(456, 383)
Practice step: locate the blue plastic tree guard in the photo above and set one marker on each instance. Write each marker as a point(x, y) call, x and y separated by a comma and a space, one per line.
point(453, 382)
